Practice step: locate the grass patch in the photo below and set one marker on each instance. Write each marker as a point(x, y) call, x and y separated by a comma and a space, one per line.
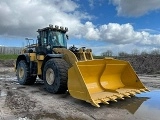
point(8, 56)
point(14, 56)
point(98, 57)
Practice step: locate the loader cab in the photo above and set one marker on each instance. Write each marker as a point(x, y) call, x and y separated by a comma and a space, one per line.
point(51, 37)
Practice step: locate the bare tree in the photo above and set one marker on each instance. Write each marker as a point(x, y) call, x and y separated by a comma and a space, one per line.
point(155, 52)
point(135, 52)
point(144, 53)
point(108, 53)
point(123, 54)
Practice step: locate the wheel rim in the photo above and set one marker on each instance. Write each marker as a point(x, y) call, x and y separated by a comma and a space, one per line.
point(50, 76)
point(21, 72)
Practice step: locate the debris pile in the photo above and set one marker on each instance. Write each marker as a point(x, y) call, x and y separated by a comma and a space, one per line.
point(149, 64)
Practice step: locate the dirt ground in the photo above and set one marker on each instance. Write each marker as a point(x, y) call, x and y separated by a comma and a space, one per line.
point(19, 102)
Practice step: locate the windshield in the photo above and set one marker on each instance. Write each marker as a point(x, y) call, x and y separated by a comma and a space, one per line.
point(57, 39)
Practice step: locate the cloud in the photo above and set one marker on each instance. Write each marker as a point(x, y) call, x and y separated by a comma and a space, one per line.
point(152, 31)
point(91, 3)
point(23, 18)
point(135, 8)
point(117, 34)
point(148, 39)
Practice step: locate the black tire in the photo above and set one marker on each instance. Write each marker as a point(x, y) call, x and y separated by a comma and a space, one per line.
point(23, 74)
point(55, 75)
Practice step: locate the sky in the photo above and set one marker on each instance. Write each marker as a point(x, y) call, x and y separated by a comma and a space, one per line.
point(116, 25)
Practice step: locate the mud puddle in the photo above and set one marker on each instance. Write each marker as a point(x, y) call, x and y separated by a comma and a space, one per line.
point(150, 108)
point(145, 105)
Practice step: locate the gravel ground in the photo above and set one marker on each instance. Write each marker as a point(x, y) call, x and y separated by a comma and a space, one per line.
point(19, 102)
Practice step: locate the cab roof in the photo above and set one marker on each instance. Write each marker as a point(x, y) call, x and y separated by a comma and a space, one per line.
point(56, 28)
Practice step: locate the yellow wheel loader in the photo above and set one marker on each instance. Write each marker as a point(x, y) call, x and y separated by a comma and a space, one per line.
point(92, 80)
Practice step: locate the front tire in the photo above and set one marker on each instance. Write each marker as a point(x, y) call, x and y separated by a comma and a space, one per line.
point(55, 75)
point(23, 74)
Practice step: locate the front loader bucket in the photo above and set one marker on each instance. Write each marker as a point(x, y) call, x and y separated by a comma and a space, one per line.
point(100, 81)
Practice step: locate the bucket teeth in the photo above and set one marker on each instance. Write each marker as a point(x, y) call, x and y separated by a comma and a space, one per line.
point(142, 90)
point(147, 89)
point(112, 99)
point(95, 104)
point(138, 91)
point(132, 93)
point(105, 102)
point(120, 96)
point(116, 96)
point(126, 95)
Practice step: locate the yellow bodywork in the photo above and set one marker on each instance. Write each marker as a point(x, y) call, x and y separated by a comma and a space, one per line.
point(36, 58)
point(101, 80)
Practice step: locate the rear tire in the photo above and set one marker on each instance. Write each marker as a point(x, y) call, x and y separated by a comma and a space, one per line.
point(55, 75)
point(23, 74)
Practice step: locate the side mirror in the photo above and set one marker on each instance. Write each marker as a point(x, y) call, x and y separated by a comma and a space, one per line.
point(38, 36)
point(67, 37)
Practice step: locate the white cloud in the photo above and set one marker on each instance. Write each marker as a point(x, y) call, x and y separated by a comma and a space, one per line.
point(90, 31)
point(23, 18)
point(152, 31)
point(149, 39)
point(117, 34)
point(135, 8)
